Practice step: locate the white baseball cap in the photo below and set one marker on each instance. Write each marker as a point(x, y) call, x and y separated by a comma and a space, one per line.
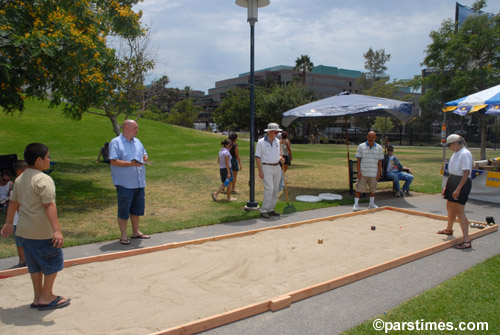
point(452, 139)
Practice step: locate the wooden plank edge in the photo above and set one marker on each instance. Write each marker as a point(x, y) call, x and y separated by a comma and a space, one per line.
point(429, 215)
point(217, 320)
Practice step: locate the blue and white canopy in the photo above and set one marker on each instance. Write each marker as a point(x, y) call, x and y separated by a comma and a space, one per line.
point(487, 100)
point(346, 104)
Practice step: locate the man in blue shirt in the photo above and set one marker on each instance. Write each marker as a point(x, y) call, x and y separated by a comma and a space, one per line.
point(395, 171)
point(370, 156)
point(127, 157)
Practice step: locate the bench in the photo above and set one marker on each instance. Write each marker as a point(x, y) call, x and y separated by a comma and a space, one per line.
point(353, 174)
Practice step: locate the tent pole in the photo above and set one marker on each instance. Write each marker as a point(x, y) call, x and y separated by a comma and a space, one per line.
point(496, 134)
point(444, 145)
point(347, 139)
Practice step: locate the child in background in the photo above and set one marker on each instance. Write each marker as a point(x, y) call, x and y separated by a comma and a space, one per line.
point(19, 167)
point(226, 175)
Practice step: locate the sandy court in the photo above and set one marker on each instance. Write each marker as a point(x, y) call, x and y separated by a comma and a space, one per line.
point(151, 292)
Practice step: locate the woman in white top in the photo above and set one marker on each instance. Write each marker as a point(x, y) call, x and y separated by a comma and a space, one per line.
point(458, 187)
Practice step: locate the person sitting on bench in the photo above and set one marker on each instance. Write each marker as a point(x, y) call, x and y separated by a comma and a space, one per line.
point(395, 171)
point(5, 188)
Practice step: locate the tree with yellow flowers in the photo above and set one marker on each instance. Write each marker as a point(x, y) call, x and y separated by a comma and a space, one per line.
point(57, 50)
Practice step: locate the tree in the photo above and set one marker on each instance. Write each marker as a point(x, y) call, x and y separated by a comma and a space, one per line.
point(270, 103)
point(464, 60)
point(303, 64)
point(57, 49)
point(129, 96)
point(233, 113)
point(375, 66)
point(184, 113)
point(187, 91)
point(383, 125)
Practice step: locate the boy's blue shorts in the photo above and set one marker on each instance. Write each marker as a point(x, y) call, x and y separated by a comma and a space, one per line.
point(131, 201)
point(41, 256)
point(18, 241)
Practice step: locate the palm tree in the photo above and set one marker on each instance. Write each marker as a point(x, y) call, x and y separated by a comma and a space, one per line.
point(304, 64)
point(187, 91)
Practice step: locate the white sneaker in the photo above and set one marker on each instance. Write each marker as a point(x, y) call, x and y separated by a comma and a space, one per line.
point(372, 206)
point(398, 193)
point(355, 208)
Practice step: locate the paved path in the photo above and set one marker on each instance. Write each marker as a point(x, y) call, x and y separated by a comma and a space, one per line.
point(345, 307)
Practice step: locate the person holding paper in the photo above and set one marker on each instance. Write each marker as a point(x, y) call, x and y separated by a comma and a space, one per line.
point(128, 172)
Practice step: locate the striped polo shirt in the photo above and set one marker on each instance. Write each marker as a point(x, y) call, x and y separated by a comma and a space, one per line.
point(370, 156)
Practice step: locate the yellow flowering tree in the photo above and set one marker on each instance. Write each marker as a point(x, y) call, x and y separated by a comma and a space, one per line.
point(57, 50)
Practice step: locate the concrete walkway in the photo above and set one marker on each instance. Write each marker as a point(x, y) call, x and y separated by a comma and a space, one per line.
point(345, 307)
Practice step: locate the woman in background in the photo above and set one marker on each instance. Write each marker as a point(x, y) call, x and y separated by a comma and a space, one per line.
point(286, 150)
point(235, 161)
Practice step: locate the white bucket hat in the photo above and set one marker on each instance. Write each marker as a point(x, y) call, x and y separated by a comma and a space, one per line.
point(273, 127)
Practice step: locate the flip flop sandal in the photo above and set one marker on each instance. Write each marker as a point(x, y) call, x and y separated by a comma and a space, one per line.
point(464, 245)
point(142, 237)
point(125, 242)
point(445, 232)
point(54, 304)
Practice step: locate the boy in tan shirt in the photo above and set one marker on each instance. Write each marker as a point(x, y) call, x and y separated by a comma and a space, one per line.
point(38, 227)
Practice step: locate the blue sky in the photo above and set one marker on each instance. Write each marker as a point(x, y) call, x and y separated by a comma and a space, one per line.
point(199, 42)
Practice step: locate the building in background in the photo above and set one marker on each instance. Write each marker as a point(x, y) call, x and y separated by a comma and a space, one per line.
point(326, 81)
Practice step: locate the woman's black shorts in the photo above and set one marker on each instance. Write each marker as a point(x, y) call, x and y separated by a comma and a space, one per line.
point(451, 185)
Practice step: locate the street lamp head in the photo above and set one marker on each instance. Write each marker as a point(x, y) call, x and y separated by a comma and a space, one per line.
point(253, 6)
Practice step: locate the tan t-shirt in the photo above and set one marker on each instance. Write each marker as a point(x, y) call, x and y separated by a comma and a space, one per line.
point(32, 189)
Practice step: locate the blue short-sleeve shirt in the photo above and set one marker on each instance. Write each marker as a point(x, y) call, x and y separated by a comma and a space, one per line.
point(125, 150)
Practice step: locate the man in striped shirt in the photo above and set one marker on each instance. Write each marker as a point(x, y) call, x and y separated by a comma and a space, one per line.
point(370, 156)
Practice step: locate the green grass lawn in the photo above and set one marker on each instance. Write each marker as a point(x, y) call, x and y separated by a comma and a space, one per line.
point(184, 171)
point(471, 296)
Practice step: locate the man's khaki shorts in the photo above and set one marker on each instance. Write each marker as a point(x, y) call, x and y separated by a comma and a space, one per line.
point(363, 182)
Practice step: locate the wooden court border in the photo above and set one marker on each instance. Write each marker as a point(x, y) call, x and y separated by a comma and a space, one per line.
point(284, 300)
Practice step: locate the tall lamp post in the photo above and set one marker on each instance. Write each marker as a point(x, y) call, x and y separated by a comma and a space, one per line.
point(253, 6)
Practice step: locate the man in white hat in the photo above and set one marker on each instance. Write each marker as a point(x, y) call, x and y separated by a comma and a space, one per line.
point(268, 158)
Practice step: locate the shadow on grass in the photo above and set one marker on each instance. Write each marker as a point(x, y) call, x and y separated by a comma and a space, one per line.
point(79, 195)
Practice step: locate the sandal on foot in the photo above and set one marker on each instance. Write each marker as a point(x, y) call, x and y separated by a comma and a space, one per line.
point(445, 232)
point(142, 237)
point(464, 245)
point(214, 197)
point(54, 304)
point(125, 242)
